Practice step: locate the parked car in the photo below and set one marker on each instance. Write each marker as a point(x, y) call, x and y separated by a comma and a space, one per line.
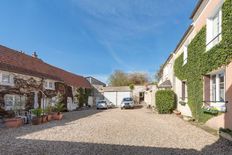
point(127, 103)
point(110, 105)
point(101, 104)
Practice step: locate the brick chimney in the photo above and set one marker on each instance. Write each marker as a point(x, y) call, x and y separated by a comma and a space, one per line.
point(34, 54)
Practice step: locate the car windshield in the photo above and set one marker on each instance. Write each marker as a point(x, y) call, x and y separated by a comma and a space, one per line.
point(100, 102)
point(127, 99)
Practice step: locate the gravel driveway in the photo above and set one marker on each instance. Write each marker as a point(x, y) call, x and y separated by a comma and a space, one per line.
point(114, 131)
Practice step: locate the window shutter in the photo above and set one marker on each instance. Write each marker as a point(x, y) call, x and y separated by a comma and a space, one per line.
point(183, 91)
point(207, 88)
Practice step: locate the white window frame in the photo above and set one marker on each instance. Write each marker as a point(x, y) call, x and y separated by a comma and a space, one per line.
point(217, 86)
point(47, 84)
point(14, 102)
point(11, 79)
point(213, 39)
point(185, 55)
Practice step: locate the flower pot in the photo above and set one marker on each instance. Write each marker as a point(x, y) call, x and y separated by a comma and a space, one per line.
point(57, 116)
point(36, 120)
point(44, 119)
point(49, 117)
point(13, 122)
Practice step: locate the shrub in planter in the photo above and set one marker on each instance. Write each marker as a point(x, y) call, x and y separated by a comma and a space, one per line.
point(165, 101)
point(37, 119)
point(48, 111)
point(57, 115)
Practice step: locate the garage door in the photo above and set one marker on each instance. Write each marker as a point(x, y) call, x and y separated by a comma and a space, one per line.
point(116, 97)
point(111, 96)
point(121, 95)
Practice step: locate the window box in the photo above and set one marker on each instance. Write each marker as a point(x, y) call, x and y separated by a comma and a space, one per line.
point(183, 103)
point(210, 110)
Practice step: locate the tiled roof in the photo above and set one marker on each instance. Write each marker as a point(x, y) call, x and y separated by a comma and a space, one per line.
point(166, 84)
point(116, 89)
point(14, 61)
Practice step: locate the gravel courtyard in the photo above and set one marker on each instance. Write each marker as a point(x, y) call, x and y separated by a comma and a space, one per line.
point(113, 132)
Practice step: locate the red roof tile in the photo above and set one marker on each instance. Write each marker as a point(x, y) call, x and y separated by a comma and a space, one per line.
point(14, 61)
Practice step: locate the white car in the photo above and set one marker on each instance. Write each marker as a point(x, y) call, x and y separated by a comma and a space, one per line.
point(127, 103)
point(101, 104)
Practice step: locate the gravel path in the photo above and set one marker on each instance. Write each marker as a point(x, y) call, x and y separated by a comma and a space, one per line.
point(114, 131)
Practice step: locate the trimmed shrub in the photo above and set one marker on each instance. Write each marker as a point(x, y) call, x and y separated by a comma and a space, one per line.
point(165, 101)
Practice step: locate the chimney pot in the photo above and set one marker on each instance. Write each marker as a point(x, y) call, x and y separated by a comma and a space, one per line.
point(34, 54)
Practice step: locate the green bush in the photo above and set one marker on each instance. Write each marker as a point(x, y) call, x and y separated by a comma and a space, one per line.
point(165, 101)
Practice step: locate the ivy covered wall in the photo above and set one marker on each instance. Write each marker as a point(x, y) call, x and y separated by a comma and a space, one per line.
point(201, 62)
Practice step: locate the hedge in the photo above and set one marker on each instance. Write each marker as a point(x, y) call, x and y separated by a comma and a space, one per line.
point(165, 101)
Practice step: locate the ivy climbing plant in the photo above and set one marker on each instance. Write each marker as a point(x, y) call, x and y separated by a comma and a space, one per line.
point(200, 62)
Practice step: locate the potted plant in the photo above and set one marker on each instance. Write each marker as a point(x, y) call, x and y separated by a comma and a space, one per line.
point(57, 115)
point(37, 119)
point(11, 121)
point(58, 108)
point(48, 111)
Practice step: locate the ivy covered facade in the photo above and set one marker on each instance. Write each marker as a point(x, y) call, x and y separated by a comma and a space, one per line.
point(203, 65)
point(26, 82)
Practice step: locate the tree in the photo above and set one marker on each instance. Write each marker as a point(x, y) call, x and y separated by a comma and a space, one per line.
point(119, 78)
point(138, 78)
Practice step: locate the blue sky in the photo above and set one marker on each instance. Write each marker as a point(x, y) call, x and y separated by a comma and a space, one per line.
point(96, 37)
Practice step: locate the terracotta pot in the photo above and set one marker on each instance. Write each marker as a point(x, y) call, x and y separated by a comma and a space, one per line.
point(57, 116)
point(44, 119)
point(13, 122)
point(49, 117)
point(36, 120)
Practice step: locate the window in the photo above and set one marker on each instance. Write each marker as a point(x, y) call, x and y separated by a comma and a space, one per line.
point(214, 29)
point(13, 102)
point(6, 79)
point(185, 54)
point(218, 87)
point(184, 91)
point(49, 85)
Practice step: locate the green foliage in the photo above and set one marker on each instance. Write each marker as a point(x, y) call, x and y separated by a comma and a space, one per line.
point(82, 96)
point(120, 78)
point(132, 86)
point(48, 109)
point(200, 62)
point(59, 106)
point(165, 101)
point(37, 112)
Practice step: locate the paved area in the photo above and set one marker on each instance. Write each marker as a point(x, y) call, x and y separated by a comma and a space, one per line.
point(113, 132)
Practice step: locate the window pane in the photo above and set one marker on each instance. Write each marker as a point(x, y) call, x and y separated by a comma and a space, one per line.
point(5, 78)
point(213, 88)
point(50, 85)
point(221, 87)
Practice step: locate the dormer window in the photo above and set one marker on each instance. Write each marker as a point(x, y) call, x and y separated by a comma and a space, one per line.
point(48, 84)
point(214, 30)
